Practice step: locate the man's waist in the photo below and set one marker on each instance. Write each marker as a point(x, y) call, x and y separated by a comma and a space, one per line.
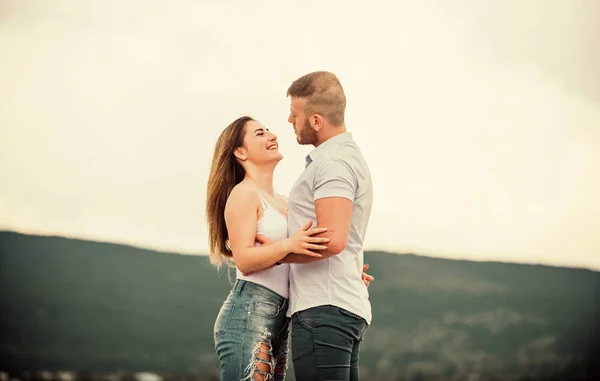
point(358, 306)
point(305, 289)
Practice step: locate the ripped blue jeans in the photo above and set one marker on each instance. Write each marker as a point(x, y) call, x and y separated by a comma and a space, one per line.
point(251, 334)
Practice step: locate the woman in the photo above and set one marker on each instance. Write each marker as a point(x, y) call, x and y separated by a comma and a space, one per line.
point(251, 330)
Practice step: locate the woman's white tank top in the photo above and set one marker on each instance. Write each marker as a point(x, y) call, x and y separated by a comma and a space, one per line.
point(272, 225)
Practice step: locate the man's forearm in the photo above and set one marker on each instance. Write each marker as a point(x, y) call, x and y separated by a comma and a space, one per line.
point(299, 258)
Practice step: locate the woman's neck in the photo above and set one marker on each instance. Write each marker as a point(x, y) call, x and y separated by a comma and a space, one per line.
point(263, 177)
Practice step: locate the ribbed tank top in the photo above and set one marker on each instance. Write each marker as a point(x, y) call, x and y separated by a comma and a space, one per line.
point(272, 225)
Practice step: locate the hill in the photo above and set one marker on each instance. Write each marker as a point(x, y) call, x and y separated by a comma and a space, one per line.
point(88, 306)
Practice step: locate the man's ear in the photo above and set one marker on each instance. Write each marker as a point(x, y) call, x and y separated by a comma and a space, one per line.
point(316, 121)
point(240, 153)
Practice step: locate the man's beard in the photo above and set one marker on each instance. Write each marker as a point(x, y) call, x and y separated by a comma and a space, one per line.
point(307, 134)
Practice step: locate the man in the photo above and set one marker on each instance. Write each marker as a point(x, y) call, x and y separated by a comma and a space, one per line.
point(330, 305)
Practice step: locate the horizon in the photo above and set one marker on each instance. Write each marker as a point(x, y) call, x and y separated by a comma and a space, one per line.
point(482, 140)
point(377, 251)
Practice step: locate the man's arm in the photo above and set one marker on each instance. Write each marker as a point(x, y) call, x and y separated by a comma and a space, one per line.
point(335, 213)
point(335, 188)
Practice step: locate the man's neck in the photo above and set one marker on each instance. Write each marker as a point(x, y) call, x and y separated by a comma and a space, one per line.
point(330, 132)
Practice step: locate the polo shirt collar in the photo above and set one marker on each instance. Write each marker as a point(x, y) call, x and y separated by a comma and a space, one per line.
point(326, 145)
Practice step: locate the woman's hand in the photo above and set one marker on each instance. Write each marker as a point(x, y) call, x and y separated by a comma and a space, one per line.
point(302, 242)
point(366, 278)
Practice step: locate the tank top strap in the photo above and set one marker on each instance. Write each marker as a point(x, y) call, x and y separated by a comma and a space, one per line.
point(263, 202)
point(284, 197)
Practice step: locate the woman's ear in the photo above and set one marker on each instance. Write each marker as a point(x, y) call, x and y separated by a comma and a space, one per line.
point(240, 153)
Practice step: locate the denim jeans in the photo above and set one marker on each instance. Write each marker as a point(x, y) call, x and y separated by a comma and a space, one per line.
point(325, 343)
point(251, 334)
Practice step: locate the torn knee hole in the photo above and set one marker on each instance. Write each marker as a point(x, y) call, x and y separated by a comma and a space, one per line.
point(262, 367)
point(263, 358)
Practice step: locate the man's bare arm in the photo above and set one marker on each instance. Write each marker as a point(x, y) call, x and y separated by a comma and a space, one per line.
point(334, 213)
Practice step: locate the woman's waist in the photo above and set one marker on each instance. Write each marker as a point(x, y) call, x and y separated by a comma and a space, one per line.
point(250, 288)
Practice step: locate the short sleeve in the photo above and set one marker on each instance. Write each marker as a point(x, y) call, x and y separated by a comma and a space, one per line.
point(334, 178)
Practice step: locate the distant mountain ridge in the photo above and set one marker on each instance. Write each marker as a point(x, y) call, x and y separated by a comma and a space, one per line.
point(80, 305)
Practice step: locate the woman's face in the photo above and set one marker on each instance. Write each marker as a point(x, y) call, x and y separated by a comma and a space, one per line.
point(260, 145)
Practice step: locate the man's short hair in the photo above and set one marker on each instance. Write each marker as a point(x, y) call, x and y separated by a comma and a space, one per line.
point(324, 95)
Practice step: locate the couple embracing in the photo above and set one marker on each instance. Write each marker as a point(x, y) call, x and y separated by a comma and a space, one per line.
point(289, 273)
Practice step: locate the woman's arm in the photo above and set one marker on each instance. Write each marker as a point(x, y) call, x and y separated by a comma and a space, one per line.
point(295, 258)
point(241, 219)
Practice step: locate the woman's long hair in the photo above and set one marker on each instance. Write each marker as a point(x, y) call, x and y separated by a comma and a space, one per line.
point(225, 173)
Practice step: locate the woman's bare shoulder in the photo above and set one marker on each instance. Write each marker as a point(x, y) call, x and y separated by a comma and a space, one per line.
point(244, 192)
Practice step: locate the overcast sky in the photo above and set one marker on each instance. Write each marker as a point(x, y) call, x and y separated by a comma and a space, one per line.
point(480, 122)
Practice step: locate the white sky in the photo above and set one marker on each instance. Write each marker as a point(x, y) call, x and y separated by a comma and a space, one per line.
point(476, 120)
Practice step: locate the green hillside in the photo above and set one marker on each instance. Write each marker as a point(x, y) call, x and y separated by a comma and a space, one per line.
point(87, 306)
